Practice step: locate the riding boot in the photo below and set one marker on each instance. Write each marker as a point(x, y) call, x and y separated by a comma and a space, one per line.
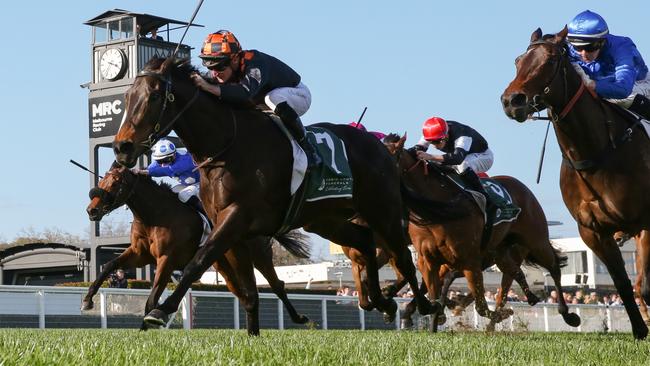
point(292, 122)
point(641, 106)
point(473, 182)
point(196, 204)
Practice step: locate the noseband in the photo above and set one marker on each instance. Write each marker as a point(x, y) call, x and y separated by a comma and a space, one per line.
point(160, 130)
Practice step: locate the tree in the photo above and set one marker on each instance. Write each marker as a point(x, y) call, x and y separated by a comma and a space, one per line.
point(47, 235)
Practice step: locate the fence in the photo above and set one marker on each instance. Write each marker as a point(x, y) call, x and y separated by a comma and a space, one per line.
point(59, 307)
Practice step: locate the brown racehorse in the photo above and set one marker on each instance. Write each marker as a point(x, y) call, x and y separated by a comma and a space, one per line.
point(639, 239)
point(245, 165)
point(167, 232)
point(606, 162)
point(457, 243)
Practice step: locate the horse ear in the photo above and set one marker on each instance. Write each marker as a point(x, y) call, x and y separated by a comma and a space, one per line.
point(561, 36)
point(180, 62)
point(402, 141)
point(537, 34)
point(169, 62)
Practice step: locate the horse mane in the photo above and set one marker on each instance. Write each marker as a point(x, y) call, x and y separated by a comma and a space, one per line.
point(162, 188)
point(391, 138)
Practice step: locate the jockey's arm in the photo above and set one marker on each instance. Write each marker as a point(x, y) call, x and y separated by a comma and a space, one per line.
point(618, 85)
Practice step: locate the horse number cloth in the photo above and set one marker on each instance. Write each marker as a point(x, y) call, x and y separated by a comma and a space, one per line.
point(332, 178)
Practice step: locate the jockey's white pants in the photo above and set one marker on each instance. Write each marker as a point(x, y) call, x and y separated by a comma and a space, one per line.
point(640, 87)
point(479, 162)
point(298, 98)
point(185, 192)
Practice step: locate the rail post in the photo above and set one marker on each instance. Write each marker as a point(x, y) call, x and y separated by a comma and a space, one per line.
point(280, 315)
point(324, 312)
point(102, 309)
point(236, 312)
point(41, 309)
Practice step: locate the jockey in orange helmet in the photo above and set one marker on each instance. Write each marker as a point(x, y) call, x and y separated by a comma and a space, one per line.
point(255, 78)
point(464, 149)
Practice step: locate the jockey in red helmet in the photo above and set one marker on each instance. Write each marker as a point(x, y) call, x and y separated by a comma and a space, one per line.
point(463, 148)
point(255, 78)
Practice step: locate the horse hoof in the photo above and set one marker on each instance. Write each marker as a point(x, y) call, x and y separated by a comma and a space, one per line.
point(428, 308)
point(302, 320)
point(532, 300)
point(156, 319)
point(406, 323)
point(442, 319)
point(389, 291)
point(490, 327)
point(390, 312)
point(87, 305)
point(367, 307)
point(640, 334)
point(572, 319)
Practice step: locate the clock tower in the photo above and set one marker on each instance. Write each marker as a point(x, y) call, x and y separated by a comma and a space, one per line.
point(122, 44)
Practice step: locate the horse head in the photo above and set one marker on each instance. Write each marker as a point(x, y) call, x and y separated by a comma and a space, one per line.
point(111, 192)
point(537, 75)
point(150, 109)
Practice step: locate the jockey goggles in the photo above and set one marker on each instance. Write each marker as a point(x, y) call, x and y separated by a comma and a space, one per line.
point(589, 47)
point(218, 64)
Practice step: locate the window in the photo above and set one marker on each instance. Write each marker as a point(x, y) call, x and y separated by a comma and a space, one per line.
point(100, 33)
point(628, 259)
point(576, 262)
point(126, 25)
point(114, 30)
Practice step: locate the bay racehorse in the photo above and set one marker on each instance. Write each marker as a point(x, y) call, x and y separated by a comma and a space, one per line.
point(245, 164)
point(606, 159)
point(456, 244)
point(167, 233)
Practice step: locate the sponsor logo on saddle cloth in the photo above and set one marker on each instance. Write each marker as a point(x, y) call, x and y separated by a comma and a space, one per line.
point(333, 178)
point(506, 209)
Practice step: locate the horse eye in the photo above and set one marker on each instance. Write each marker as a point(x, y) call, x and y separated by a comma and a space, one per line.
point(155, 96)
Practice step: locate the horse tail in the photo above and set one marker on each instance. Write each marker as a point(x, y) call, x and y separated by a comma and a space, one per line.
point(560, 259)
point(295, 243)
point(425, 211)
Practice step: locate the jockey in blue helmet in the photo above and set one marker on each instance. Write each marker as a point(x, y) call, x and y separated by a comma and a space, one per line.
point(610, 65)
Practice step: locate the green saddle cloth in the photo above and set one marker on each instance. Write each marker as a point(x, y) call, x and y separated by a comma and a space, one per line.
point(506, 209)
point(333, 177)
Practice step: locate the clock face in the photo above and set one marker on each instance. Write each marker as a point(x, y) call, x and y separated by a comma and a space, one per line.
point(112, 64)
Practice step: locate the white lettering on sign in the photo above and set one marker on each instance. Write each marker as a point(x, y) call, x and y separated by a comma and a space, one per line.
point(107, 108)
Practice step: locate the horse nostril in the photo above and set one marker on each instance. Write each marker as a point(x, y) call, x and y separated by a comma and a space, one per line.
point(92, 212)
point(122, 147)
point(518, 100)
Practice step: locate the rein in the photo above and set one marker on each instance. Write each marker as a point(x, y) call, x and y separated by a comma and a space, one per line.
point(169, 98)
point(110, 198)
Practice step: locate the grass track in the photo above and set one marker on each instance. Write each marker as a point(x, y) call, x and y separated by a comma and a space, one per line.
point(225, 347)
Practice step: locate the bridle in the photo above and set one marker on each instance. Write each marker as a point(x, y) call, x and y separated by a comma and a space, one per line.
point(161, 129)
point(537, 102)
point(111, 199)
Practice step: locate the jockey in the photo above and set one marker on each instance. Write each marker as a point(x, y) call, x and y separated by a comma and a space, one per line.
point(612, 65)
point(468, 152)
point(255, 78)
point(167, 162)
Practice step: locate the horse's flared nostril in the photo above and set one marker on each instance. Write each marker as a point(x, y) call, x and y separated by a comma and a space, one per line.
point(518, 100)
point(92, 212)
point(123, 147)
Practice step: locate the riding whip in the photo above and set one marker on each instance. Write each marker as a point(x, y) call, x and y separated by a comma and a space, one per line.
point(361, 117)
point(187, 28)
point(84, 168)
point(541, 157)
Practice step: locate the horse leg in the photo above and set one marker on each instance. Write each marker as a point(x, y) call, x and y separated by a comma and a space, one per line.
point(128, 259)
point(163, 274)
point(643, 264)
point(361, 285)
point(430, 270)
point(638, 283)
point(264, 264)
point(606, 249)
point(360, 238)
point(474, 278)
point(411, 308)
point(232, 226)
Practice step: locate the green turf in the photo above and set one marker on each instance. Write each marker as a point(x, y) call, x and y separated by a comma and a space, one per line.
point(176, 347)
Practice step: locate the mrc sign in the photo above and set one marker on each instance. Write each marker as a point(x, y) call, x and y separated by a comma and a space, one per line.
point(105, 115)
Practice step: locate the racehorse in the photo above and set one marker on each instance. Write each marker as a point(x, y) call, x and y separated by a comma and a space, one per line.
point(245, 163)
point(603, 177)
point(167, 233)
point(457, 243)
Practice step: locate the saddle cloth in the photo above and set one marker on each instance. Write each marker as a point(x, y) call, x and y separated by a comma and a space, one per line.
point(506, 211)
